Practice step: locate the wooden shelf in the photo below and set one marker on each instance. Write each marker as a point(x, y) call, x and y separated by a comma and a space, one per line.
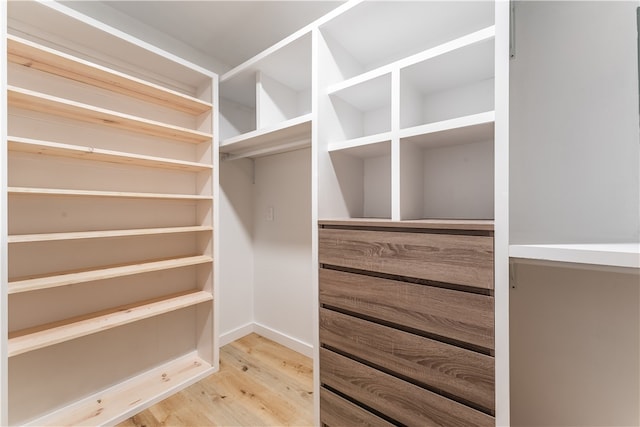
point(461, 130)
point(91, 193)
point(27, 284)
point(116, 404)
point(443, 224)
point(77, 235)
point(26, 145)
point(602, 254)
point(296, 131)
point(33, 55)
point(57, 332)
point(36, 101)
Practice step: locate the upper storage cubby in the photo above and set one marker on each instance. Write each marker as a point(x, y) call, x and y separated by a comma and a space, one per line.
point(266, 101)
point(373, 34)
point(453, 84)
point(362, 109)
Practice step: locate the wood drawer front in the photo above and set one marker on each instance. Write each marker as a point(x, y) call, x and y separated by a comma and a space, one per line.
point(338, 412)
point(397, 399)
point(458, 259)
point(456, 371)
point(462, 316)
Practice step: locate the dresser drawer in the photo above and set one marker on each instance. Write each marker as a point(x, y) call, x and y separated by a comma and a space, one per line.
point(452, 258)
point(339, 412)
point(459, 372)
point(401, 401)
point(458, 315)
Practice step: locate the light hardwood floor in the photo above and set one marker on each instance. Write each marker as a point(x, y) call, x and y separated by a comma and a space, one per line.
point(260, 383)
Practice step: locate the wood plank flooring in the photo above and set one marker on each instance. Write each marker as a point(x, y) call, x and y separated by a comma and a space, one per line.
point(260, 383)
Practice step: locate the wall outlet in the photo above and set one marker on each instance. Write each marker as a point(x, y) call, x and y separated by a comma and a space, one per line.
point(269, 214)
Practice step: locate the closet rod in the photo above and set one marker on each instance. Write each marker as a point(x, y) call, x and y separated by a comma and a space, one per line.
point(276, 149)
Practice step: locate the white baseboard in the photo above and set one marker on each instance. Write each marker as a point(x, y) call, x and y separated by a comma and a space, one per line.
point(285, 340)
point(274, 335)
point(236, 334)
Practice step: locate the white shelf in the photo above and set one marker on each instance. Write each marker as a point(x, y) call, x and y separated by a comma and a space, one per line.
point(270, 139)
point(42, 336)
point(101, 234)
point(366, 146)
point(35, 101)
point(33, 55)
point(71, 278)
point(91, 193)
point(27, 145)
point(603, 254)
point(461, 130)
point(135, 394)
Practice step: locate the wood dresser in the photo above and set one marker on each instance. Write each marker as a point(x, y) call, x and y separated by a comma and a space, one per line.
point(406, 323)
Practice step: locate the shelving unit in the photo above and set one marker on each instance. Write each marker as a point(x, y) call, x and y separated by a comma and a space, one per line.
point(411, 118)
point(433, 105)
point(112, 161)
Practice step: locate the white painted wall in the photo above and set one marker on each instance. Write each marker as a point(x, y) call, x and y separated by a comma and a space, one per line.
point(575, 150)
point(575, 347)
point(236, 249)
point(283, 293)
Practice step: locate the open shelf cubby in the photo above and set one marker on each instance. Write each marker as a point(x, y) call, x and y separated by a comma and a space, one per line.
point(448, 173)
point(269, 91)
point(454, 84)
point(363, 109)
point(364, 175)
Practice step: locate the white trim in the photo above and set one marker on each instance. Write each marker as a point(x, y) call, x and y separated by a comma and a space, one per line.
point(236, 334)
point(284, 339)
point(267, 332)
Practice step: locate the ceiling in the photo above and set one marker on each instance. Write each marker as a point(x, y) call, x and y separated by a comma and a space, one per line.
point(229, 31)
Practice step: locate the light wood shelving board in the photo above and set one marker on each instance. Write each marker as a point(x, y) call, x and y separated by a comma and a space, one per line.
point(100, 234)
point(36, 101)
point(92, 193)
point(57, 332)
point(461, 130)
point(33, 55)
point(27, 284)
point(50, 148)
point(135, 394)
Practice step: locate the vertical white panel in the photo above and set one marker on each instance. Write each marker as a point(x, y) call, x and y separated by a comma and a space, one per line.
point(3, 219)
point(501, 214)
point(377, 187)
point(411, 181)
